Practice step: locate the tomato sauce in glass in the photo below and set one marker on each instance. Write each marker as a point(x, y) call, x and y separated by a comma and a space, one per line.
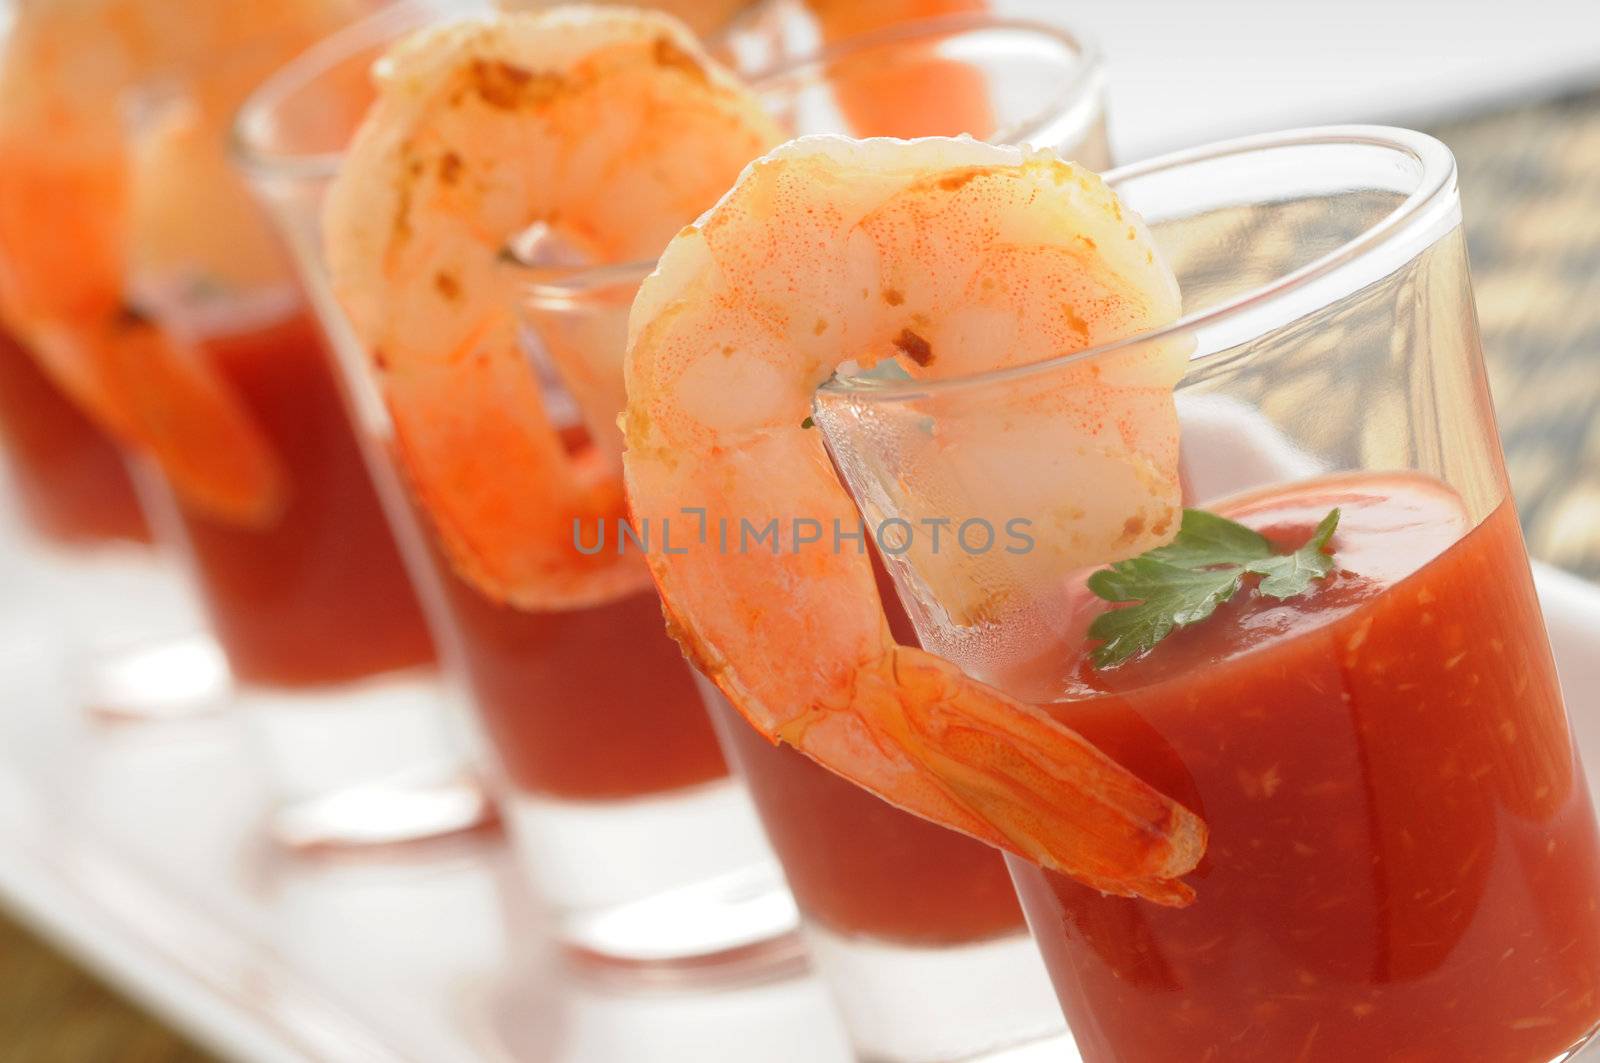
point(1403, 862)
point(856, 864)
point(861, 867)
point(592, 704)
point(321, 595)
point(68, 475)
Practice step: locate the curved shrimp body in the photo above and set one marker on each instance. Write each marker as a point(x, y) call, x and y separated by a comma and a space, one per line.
point(608, 128)
point(69, 235)
point(952, 257)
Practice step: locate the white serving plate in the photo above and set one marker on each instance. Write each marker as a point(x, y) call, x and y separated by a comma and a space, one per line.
point(135, 848)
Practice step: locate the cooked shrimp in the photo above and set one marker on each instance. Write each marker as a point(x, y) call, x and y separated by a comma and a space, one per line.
point(840, 19)
point(915, 95)
point(610, 129)
point(952, 257)
point(67, 235)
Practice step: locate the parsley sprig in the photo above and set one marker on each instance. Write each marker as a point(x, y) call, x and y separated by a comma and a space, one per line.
point(1183, 582)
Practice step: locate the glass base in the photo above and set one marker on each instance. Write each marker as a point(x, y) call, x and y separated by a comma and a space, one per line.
point(153, 678)
point(1056, 1048)
point(674, 886)
point(989, 1000)
point(361, 764)
point(787, 1020)
point(131, 643)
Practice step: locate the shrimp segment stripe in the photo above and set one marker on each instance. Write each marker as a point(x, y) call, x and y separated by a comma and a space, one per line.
point(951, 257)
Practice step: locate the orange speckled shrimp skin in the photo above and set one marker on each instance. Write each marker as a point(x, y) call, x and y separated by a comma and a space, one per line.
point(610, 128)
point(952, 257)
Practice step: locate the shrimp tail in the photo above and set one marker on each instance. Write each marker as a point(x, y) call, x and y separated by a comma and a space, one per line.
point(1050, 795)
point(153, 394)
point(929, 739)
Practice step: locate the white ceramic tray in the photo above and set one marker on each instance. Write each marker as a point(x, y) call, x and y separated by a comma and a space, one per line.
point(135, 847)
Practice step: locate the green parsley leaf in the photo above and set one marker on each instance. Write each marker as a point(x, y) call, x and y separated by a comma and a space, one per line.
point(1290, 575)
point(1207, 539)
point(1183, 582)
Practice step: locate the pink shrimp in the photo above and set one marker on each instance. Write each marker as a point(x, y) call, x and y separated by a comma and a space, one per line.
point(952, 257)
point(608, 127)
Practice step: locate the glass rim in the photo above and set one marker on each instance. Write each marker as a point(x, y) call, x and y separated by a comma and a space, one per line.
point(1088, 71)
point(1416, 214)
point(248, 151)
point(246, 145)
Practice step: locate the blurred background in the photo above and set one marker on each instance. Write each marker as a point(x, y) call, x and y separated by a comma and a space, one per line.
point(1513, 89)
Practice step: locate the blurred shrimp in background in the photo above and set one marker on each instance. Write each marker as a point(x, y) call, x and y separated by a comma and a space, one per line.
point(112, 123)
point(917, 95)
point(78, 284)
point(914, 95)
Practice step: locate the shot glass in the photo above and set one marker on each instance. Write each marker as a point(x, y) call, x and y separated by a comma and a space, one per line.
point(332, 665)
point(641, 848)
point(1403, 857)
point(109, 613)
point(915, 929)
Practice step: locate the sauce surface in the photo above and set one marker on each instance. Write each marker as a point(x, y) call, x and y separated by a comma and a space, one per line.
point(593, 704)
point(1403, 860)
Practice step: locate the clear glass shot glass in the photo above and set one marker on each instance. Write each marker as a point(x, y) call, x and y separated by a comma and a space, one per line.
point(915, 928)
point(1403, 860)
point(107, 609)
point(332, 665)
point(643, 851)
